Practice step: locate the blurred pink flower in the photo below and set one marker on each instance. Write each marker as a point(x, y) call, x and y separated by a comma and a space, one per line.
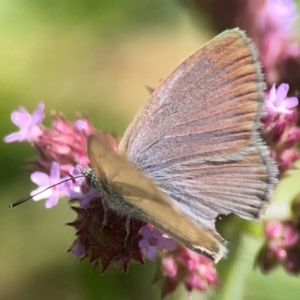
point(277, 101)
point(49, 182)
point(282, 247)
point(194, 270)
point(28, 124)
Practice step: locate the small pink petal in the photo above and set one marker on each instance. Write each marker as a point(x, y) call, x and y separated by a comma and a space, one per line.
point(146, 232)
point(156, 233)
point(55, 172)
point(291, 102)
point(16, 136)
point(81, 125)
point(151, 253)
point(274, 229)
point(282, 91)
point(52, 201)
point(168, 244)
point(272, 93)
point(169, 266)
point(21, 119)
point(40, 178)
point(143, 244)
point(38, 116)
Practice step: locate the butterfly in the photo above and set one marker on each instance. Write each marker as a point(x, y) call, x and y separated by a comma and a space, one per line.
point(194, 150)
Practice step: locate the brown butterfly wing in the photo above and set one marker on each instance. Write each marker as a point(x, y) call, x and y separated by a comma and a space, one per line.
point(198, 135)
point(149, 202)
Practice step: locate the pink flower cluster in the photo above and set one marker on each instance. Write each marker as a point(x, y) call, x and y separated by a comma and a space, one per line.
point(280, 126)
point(281, 248)
point(195, 271)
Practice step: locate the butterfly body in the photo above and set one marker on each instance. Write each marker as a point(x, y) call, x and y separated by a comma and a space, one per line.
point(112, 197)
point(194, 150)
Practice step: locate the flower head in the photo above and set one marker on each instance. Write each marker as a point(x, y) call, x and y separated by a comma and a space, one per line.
point(102, 235)
point(28, 124)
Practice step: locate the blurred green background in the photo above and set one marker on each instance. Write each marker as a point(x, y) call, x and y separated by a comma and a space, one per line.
point(94, 57)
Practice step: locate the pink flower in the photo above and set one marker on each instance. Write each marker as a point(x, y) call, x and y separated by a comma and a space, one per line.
point(28, 124)
point(154, 240)
point(277, 101)
point(45, 181)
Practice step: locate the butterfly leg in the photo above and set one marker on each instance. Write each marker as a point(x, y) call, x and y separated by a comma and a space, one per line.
point(127, 230)
point(104, 221)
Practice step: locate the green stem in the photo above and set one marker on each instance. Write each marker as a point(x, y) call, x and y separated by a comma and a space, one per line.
point(232, 271)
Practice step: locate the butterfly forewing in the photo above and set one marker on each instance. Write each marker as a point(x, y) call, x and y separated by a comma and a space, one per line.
point(148, 202)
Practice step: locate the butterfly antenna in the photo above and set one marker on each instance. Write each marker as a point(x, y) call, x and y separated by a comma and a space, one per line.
point(25, 199)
